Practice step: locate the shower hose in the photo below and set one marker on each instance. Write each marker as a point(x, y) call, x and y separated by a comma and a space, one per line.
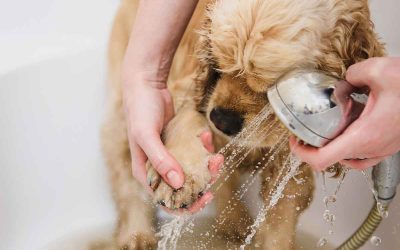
point(364, 232)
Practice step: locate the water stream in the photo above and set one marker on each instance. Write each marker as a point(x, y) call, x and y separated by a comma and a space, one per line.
point(291, 165)
point(234, 153)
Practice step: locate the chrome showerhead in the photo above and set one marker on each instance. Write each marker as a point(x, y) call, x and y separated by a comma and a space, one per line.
point(316, 107)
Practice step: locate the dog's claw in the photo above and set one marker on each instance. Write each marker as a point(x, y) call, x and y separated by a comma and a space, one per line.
point(153, 179)
point(162, 203)
point(184, 206)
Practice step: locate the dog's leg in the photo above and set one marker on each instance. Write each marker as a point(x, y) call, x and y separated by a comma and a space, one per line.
point(135, 213)
point(279, 230)
point(181, 137)
point(233, 216)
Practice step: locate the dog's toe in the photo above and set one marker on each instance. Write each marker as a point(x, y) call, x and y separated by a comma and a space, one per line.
point(181, 198)
point(183, 206)
point(153, 178)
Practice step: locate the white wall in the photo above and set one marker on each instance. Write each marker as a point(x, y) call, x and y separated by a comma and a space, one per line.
point(385, 14)
point(52, 80)
point(32, 31)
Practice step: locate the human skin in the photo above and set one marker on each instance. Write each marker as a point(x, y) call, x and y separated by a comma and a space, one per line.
point(376, 133)
point(148, 105)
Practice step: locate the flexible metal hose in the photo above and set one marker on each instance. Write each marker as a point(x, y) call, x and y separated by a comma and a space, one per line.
point(364, 232)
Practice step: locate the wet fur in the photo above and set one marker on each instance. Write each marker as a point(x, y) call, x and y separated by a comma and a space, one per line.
point(232, 51)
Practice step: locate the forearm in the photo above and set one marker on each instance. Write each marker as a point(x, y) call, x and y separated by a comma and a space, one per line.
point(158, 29)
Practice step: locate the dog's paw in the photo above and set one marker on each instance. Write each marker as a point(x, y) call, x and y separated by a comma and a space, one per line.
point(195, 184)
point(184, 197)
point(153, 178)
point(193, 155)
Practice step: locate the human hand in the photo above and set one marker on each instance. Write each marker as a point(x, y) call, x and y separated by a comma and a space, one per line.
point(215, 162)
point(148, 108)
point(376, 133)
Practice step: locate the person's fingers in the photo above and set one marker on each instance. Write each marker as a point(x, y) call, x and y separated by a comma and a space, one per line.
point(214, 165)
point(321, 158)
point(366, 73)
point(362, 164)
point(169, 106)
point(194, 208)
point(139, 170)
point(163, 162)
point(201, 203)
point(206, 139)
point(306, 154)
point(138, 163)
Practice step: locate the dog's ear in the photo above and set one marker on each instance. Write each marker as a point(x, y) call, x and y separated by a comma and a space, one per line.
point(207, 73)
point(352, 40)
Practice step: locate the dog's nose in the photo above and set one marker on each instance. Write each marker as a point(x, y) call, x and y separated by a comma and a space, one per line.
point(228, 121)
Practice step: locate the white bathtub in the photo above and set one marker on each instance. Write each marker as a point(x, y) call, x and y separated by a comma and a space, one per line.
point(53, 182)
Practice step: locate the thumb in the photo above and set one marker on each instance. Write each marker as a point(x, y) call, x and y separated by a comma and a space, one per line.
point(163, 162)
point(366, 73)
point(321, 158)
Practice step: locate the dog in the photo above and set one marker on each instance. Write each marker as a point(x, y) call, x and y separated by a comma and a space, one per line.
point(231, 53)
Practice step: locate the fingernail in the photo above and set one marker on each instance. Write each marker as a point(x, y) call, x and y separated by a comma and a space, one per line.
point(174, 179)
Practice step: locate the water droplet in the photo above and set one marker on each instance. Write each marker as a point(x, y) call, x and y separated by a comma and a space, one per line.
point(328, 216)
point(298, 208)
point(322, 242)
point(274, 199)
point(375, 240)
point(329, 199)
point(382, 210)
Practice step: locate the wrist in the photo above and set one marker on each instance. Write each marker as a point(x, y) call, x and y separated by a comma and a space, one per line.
point(152, 77)
point(149, 68)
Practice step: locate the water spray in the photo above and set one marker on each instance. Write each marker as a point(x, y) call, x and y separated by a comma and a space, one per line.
point(318, 107)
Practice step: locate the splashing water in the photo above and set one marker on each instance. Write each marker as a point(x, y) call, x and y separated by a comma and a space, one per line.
point(275, 196)
point(322, 242)
point(375, 240)
point(235, 152)
point(381, 208)
point(260, 166)
point(237, 156)
point(170, 233)
point(327, 215)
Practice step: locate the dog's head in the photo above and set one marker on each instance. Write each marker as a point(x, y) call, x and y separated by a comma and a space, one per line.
point(246, 45)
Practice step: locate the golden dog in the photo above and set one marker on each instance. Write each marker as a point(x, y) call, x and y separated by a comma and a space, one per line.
point(231, 53)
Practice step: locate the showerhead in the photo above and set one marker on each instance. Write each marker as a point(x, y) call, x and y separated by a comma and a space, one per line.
point(316, 107)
